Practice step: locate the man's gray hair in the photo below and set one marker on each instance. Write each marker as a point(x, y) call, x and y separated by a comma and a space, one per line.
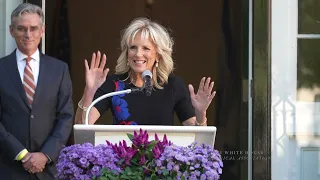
point(27, 8)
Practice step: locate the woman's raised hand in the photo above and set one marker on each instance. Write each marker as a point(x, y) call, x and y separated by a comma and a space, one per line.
point(204, 96)
point(96, 74)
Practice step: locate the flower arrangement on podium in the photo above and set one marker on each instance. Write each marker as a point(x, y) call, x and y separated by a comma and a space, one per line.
point(143, 159)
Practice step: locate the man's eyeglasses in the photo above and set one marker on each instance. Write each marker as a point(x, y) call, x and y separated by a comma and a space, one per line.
point(23, 29)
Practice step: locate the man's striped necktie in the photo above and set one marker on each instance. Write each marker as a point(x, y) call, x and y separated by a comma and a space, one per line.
point(28, 81)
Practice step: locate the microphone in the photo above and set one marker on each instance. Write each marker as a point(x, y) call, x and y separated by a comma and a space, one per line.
point(147, 77)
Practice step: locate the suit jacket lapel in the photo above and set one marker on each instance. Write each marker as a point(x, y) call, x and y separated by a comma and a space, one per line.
point(12, 67)
point(42, 78)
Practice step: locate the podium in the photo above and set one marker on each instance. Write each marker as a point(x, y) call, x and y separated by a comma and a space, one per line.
point(179, 135)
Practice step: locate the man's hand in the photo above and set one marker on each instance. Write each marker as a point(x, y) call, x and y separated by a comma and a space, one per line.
point(34, 162)
point(25, 159)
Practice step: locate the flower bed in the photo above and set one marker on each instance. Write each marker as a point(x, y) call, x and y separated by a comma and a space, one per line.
point(144, 159)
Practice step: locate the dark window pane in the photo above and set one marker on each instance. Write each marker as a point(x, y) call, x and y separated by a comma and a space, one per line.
point(309, 17)
point(308, 70)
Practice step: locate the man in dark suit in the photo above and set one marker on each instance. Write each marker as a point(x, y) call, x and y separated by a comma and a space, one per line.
point(36, 109)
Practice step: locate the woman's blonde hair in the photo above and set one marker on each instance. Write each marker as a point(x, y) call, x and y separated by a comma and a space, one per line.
point(162, 41)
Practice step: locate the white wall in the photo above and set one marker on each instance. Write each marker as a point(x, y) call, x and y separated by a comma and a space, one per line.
point(7, 44)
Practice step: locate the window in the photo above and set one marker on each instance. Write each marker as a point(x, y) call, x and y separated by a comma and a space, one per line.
point(308, 51)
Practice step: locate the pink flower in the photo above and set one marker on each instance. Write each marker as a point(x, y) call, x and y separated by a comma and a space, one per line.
point(142, 160)
point(123, 151)
point(140, 139)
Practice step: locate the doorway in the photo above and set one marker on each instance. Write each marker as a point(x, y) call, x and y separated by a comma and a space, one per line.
point(210, 40)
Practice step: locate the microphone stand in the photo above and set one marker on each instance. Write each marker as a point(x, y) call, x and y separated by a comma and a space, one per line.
point(127, 91)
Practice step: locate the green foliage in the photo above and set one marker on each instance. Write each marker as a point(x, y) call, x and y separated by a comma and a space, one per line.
point(136, 170)
point(160, 160)
point(129, 173)
point(130, 136)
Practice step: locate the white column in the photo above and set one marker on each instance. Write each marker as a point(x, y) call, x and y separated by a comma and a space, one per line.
point(284, 69)
point(7, 43)
point(2, 28)
point(43, 40)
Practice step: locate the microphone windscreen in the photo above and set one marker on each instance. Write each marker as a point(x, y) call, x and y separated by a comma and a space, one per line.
point(147, 77)
point(146, 73)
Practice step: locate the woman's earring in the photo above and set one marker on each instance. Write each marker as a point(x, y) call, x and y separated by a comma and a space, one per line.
point(157, 63)
point(127, 63)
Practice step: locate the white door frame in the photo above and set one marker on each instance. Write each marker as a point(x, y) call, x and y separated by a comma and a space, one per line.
point(43, 41)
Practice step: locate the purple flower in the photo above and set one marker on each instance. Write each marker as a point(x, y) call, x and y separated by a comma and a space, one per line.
point(203, 177)
point(164, 141)
point(176, 167)
point(196, 161)
point(140, 139)
point(144, 157)
point(123, 151)
point(85, 161)
point(160, 146)
point(142, 160)
point(197, 165)
point(156, 152)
